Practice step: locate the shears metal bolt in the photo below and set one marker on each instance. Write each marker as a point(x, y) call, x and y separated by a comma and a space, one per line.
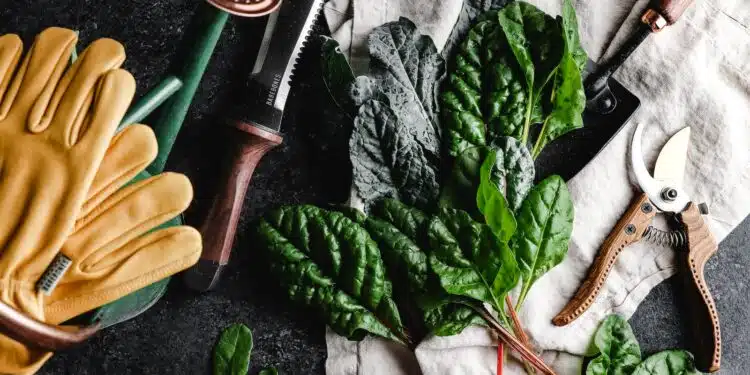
point(669, 194)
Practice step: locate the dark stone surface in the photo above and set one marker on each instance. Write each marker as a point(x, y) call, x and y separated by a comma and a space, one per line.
point(177, 335)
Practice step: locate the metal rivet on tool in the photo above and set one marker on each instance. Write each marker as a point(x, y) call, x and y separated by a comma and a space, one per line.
point(647, 207)
point(630, 229)
point(669, 194)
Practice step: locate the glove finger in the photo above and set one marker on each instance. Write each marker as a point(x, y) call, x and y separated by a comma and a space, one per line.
point(137, 264)
point(40, 71)
point(39, 216)
point(11, 48)
point(73, 96)
point(126, 215)
point(129, 153)
point(15, 358)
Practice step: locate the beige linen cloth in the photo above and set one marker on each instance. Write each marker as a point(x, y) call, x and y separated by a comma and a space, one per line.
point(695, 73)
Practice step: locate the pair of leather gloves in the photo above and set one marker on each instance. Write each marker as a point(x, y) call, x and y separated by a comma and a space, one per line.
point(64, 191)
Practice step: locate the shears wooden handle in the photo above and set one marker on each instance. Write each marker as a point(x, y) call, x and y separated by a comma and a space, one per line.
point(628, 230)
point(701, 246)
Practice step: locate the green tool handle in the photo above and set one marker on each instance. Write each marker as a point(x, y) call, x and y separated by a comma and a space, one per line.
point(151, 101)
point(210, 22)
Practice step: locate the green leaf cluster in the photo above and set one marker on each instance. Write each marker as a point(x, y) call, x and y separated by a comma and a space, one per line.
point(517, 67)
point(328, 262)
point(342, 264)
point(536, 223)
point(617, 353)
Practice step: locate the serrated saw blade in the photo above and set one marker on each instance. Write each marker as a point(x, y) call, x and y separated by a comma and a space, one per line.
point(286, 34)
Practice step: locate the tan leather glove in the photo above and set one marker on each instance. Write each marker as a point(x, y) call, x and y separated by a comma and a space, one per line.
point(54, 131)
point(114, 249)
point(109, 254)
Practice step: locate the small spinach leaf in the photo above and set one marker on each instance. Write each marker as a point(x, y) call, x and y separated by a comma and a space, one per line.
point(331, 264)
point(469, 260)
point(618, 348)
point(545, 224)
point(269, 371)
point(232, 352)
point(669, 362)
point(492, 204)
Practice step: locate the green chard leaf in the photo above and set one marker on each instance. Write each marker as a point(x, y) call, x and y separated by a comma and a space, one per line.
point(568, 96)
point(395, 146)
point(405, 261)
point(545, 224)
point(668, 362)
point(484, 96)
point(463, 182)
point(618, 348)
point(469, 260)
point(569, 23)
point(408, 220)
point(492, 204)
point(534, 37)
point(337, 75)
point(517, 67)
point(330, 263)
point(472, 12)
point(397, 232)
point(512, 173)
point(451, 318)
point(232, 352)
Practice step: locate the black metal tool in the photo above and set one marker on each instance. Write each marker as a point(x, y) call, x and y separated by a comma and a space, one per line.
point(659, 15)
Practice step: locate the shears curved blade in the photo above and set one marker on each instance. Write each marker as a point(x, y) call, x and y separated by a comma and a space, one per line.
point(664, 189)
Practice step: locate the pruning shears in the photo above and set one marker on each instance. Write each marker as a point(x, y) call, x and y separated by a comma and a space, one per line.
point(662, 193)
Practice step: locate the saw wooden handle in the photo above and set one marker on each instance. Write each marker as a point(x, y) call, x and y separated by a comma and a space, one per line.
point(671, 10)
point(629, 229)
point(220, 224)
point(701, 246)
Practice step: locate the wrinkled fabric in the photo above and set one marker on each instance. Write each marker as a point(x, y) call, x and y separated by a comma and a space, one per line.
point(695, 73)
point(351, 22)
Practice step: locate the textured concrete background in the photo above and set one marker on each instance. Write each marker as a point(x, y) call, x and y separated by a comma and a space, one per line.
point(177, 335)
